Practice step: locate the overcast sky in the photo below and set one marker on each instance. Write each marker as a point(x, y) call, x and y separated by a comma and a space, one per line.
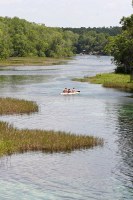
point(68, 13)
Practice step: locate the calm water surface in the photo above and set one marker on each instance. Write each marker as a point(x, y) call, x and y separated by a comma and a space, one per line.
point(101, 173)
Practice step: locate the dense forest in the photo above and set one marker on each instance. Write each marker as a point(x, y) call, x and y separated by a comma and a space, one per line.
point(93, 40)
point(20, 38)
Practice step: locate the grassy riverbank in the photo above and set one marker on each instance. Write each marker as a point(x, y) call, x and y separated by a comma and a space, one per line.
point(31, 61)
point(10, 106)
point(110, 80)
point(13, 140)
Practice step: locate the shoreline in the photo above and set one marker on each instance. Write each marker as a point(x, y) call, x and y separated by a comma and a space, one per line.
point(110, 80)
point(32, 61)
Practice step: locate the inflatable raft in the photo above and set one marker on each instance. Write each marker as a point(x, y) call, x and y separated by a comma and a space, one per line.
point(70, 93)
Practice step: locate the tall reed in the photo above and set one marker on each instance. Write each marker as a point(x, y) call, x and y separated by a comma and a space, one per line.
point(13, 140)
point(16, 106)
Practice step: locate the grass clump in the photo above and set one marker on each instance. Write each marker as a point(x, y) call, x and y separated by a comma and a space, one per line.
point(110, 80)
point(15, 106)
point(13, 140)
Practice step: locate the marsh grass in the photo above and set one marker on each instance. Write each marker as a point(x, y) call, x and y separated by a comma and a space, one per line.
point(31, 61)
point(13, 140)
point(10, 106)
point(110, 80)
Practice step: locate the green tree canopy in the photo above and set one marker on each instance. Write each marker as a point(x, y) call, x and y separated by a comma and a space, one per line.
point(21, 38)
point(121, 46)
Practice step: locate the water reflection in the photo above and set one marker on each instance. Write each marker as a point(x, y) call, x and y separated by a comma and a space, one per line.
point(23, 79)
point(125, 144)
point(16, 83)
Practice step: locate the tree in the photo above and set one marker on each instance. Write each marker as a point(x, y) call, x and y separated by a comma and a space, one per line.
point(92, 42)
point(19, 37)
point(5, 43)
point(121, 46)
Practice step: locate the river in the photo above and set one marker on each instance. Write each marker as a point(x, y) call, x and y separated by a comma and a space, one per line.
point(101, 173)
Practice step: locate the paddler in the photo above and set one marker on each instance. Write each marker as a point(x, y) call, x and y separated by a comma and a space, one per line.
point(65, 90)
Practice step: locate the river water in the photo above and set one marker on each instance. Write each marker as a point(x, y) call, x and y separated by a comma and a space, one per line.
point(101, 173)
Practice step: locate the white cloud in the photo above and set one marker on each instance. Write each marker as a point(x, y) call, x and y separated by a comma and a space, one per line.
point(8, 2)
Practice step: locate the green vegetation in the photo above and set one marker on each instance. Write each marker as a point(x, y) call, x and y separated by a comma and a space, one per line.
point(13, 140)
point(121, 46)
point(20, 38)
point(110, 80)
point(31, 61)
point(92, 43)
point(15, 106)
point(93, 40)
point(112, 31)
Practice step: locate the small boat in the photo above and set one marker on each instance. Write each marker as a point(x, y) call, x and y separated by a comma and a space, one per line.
point(70, 93)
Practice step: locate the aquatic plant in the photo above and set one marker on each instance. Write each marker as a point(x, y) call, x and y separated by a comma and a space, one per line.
point(13, 140)
point(16, 106)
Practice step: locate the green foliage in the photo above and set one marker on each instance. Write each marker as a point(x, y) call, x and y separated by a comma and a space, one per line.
point(127, 23)
point(111, 31)
point(92, 42)
point(5, 43)
point(121, 46)
point(19, 38)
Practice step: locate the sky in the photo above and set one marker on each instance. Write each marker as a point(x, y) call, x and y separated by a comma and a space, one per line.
point(68, 13)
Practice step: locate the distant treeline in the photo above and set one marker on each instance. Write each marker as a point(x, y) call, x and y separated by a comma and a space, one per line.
point(93, 40)
point(20, 38)
point(112, 31)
